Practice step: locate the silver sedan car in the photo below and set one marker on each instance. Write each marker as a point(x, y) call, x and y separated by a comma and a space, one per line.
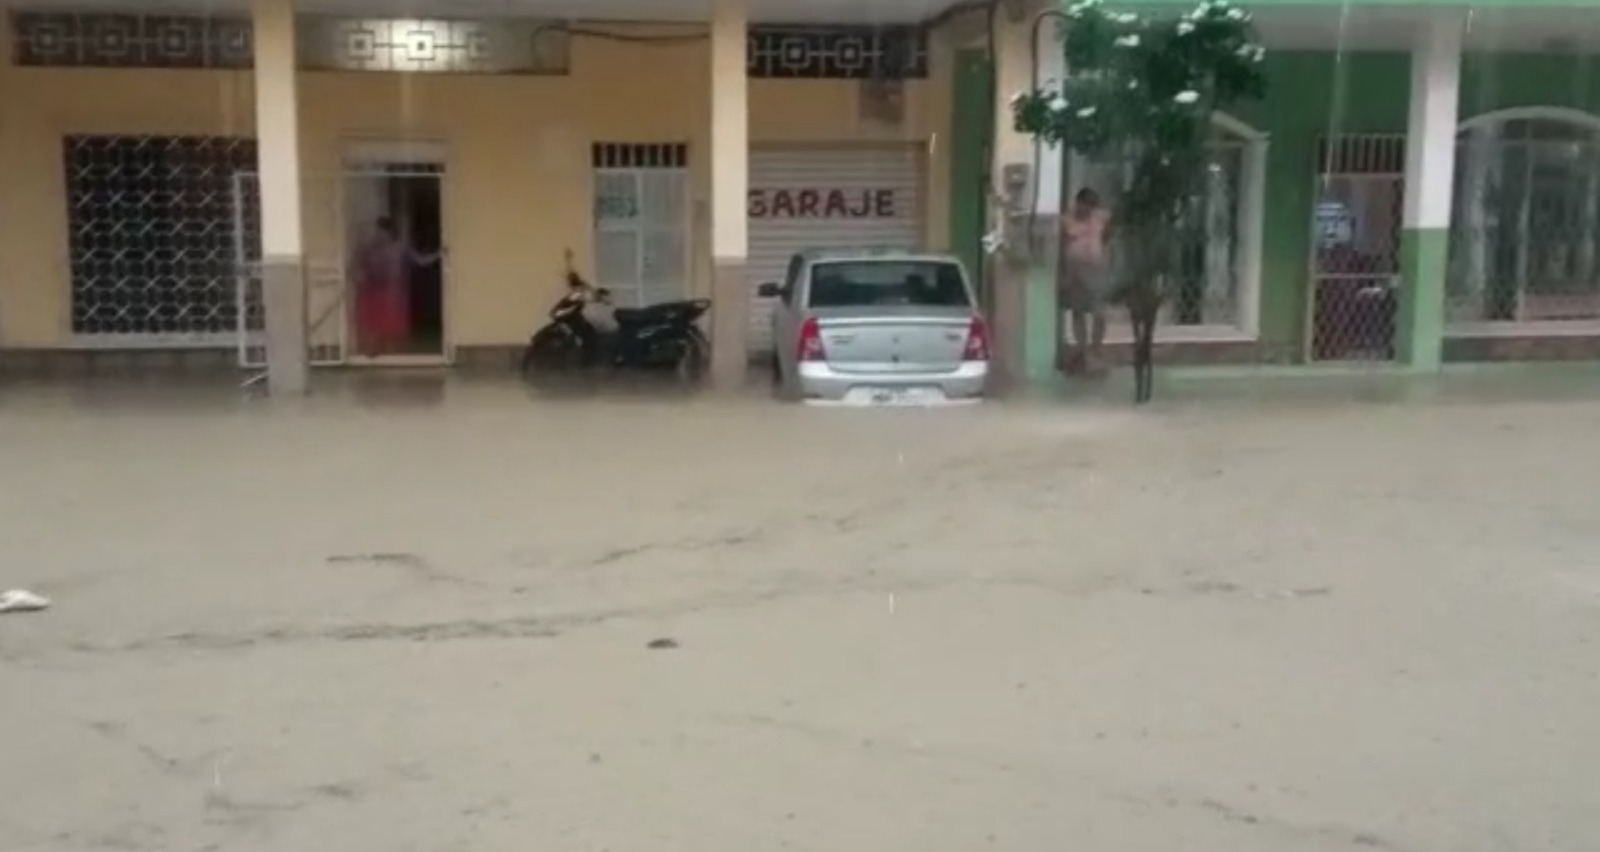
point(878, 328)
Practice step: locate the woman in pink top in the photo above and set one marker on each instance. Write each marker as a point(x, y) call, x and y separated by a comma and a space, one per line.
point(383, 289)
point(1085, 279)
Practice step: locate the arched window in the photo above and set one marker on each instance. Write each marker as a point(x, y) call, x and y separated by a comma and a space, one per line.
point(1525, 231)
point(1218, 291)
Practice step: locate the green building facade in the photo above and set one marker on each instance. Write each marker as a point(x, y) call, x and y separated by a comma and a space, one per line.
point(1420, 185)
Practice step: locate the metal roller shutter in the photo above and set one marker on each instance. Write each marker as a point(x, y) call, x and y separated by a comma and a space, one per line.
point(824, 198)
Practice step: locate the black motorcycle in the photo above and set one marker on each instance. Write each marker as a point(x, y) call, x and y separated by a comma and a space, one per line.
point(659, 337)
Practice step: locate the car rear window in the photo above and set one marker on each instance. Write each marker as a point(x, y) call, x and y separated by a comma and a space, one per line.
point(874, 283)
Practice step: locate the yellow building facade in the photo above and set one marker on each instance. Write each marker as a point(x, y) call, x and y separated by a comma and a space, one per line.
point(516, 166)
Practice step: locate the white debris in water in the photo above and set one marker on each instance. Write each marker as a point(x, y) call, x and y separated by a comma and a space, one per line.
point(21, 600)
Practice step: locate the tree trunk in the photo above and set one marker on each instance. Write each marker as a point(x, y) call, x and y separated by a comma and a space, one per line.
point(1144, 333)
point(1144, 308)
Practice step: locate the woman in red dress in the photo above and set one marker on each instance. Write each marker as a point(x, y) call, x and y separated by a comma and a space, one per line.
point(383, 289)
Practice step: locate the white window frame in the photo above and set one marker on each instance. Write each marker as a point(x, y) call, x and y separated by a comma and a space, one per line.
point(1488, 123)
point(683, 228)
point(1250, 213)
point(359, 153)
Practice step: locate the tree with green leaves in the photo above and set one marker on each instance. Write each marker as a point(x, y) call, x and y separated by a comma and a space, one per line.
point(1140, 91)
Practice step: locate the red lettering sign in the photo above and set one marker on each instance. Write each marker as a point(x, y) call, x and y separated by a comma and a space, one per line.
point(786, 203)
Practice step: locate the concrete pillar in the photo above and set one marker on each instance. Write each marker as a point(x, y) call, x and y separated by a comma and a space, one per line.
point(1026, 314)
point(283, 289)
point(1252, 229)
point(730, 183)
point(1429, 182)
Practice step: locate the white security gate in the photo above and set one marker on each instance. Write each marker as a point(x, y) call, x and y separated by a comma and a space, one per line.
point(834, 197)
point(250, 322)
point(327, 326)
point(641, 222)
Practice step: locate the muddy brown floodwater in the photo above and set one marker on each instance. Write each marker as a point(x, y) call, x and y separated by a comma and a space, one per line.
point(416, 616)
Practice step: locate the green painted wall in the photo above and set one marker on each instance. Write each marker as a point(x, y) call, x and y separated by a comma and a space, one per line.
point(1419, 329)
point(1311, 95)
point(971, 118)
point(1491, 82)
point(1317, 94)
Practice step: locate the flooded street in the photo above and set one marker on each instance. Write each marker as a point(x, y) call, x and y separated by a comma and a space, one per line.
point(412, 615)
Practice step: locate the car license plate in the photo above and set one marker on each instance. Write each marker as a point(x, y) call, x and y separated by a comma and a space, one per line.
point(897, 396)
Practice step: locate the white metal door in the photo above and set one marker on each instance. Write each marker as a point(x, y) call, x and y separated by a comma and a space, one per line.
point(833, 197)
point(325, 270)
point(248, 317)
point(365, 194)
point(641, 234)
point(324, 280)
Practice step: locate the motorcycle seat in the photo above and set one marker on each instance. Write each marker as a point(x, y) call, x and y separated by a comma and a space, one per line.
point(662, 312)
point(635, 316)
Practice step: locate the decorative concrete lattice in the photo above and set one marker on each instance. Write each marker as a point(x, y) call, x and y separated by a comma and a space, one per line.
point(852, 53)
point(488, 46)
point(498, 46)
point(130, 41)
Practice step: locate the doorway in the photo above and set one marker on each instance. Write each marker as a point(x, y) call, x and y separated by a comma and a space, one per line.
point(398, 317)
point(1355, 255)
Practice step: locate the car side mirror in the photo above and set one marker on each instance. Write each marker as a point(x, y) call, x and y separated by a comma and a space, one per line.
point(770, 290)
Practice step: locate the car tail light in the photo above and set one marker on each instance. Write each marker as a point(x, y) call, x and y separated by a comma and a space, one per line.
point(977, 341)
point(811, 341)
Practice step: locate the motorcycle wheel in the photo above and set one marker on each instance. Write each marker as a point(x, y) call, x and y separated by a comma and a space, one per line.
point(693, 359)
point(551, 351)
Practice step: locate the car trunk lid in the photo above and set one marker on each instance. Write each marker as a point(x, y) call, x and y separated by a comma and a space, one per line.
point(894, 339)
